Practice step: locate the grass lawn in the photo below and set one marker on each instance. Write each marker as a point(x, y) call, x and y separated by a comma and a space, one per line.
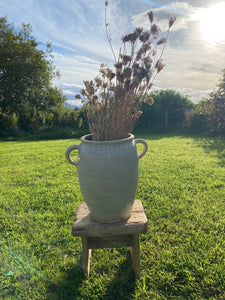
point(182, 188)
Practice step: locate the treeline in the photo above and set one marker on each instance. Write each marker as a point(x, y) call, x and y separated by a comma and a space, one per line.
point(166, 114)
point(172, 111)
point(61, 123)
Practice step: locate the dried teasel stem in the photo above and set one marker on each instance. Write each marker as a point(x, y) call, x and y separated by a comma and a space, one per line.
point(114, 98)
point(107, 31)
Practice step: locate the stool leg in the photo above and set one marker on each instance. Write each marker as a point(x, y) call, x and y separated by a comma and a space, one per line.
point(86, 255)
point(136, 254)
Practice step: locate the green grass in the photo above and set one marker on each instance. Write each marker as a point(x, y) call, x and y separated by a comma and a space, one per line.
point(182, 188)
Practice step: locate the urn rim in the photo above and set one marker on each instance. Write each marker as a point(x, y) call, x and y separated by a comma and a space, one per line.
point(87, 139)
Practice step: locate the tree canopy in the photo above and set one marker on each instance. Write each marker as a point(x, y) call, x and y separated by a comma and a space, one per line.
point(26, 72)
point(166, 113)
point(209, 114)
point(217, 103)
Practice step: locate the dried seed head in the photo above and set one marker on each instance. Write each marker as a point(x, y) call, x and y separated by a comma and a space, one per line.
point(141, 88)
point(132, 37)
point(135, 65)
point(83, 92)
point(162, 41)
point(127, 37)
point(137, 114)
point(142, 74)
point(159, 65)
point(147, 62)
point(144, 36)
point(126, 59)
point(120, 77)
point(135, 83)
point(108, 71)
point(89, 87)
point(127, 72)
point(78, 96)
point(127, 84)
point(171, 21)
point(144, 48)
point(112, 75)
point(98, 82)
point(150, 86)
point(106, 3)
point(135, 68)
point(147, 46)
point(139, 54)
point(109, 74)
point(138, 30)
point(148, 100)
point(118, 65)
point(150, 16)
point(155, 29)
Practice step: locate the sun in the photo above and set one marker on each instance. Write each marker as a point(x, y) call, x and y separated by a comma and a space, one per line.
point(212, 23)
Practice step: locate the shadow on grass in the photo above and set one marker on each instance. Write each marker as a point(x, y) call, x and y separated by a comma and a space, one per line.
point(46, 134)
point(123, 285)
point(214, 144)
point(70, 286)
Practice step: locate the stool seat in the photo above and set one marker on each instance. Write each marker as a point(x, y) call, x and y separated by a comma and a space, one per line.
point(97, 235)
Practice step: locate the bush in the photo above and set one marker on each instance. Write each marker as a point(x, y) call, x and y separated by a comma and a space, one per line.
point(196, 122)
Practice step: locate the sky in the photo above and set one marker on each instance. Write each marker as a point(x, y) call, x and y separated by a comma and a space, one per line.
point(194, 56)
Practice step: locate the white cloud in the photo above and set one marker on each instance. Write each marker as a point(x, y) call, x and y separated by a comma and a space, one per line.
point(183, 12)
point(77, 32)
point(74, 68)
point(76, 103)
point(193, 66)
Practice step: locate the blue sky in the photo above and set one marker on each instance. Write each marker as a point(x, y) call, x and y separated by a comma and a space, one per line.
point(194, 56)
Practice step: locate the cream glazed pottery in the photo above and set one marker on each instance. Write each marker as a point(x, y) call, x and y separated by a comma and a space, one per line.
point(108, 175)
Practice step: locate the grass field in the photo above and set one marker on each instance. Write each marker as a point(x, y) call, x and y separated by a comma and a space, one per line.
point(182, 188)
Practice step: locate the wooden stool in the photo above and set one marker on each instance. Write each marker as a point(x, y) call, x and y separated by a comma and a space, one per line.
point(98, 235)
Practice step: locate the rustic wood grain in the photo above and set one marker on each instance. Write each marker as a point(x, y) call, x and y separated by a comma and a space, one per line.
point(110, 242)
point(84, 225)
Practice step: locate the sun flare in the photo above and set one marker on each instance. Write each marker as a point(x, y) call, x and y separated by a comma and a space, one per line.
point(212, 23)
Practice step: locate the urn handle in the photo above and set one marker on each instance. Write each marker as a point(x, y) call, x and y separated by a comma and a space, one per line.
point(143, 142)
point(71, 148)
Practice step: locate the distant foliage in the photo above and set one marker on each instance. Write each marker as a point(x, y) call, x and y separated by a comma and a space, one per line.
point(209, 114)
point(68, 117)
point(217, 103)
point(196, 119)
point(167, 112)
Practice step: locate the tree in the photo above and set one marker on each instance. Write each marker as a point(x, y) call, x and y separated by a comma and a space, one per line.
point(209, 115)
point(26, 72)
point(167, 111)
point(216, 101)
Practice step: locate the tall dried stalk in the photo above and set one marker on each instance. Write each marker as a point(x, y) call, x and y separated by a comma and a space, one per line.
point(112, 101)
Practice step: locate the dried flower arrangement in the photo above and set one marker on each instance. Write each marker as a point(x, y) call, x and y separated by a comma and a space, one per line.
point(112, 101)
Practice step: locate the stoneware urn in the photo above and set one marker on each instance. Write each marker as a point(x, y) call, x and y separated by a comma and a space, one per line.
point(108, 175)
